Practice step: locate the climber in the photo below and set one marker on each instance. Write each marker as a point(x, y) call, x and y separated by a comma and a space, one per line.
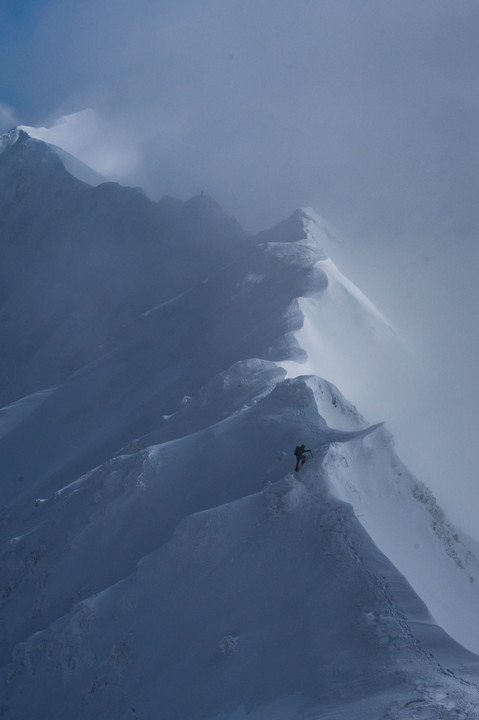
point(300, 453)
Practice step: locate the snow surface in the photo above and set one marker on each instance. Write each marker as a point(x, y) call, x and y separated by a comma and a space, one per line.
point(9, 139)
point(78, 169)
point(160, 557)
point(346, 338)
point(85, 149)
point(61, 131)
point(12, 415)
point(397, 510)
point(256, 590)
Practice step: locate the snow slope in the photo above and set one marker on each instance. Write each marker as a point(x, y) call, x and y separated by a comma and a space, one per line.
point(87, 151)
point(159, 558)
point(346, 338)
point(255, 589)
point(80, 262)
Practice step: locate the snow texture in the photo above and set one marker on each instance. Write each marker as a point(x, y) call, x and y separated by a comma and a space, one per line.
point(159, 555)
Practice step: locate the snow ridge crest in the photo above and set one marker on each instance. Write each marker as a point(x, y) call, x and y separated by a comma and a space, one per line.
point(11, 137)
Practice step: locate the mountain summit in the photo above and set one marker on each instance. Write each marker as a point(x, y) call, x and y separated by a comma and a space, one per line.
point(80, 262)
point(160, 555)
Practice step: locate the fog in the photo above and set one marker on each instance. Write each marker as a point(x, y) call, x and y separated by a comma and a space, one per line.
point(367, 111)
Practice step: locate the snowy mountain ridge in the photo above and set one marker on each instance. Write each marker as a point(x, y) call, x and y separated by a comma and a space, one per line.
point(9, 138)
point(402, 516)
point(107, 629)
point(160, 556)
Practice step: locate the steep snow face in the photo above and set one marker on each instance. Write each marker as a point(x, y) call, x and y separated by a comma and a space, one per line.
point(348, 341)
point(192, 563)
point(80, 138)
point(77, 168)
point(154, 536)
point(72, 164)
point(402, 516)
point(345, 337)
point(78, 263)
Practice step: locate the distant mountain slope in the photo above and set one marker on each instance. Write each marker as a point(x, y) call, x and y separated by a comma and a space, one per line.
point(159, 555)
point(78, 262)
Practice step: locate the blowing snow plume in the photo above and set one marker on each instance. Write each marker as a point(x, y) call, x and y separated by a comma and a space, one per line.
point(160, 555)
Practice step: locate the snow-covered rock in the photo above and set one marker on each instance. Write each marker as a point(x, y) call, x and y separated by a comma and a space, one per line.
point(159, 555)
point(80, 262)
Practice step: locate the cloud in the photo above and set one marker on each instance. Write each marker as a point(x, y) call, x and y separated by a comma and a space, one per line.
point(268, 105)
point(7, 117)
point(97, 142)
point(365, 111)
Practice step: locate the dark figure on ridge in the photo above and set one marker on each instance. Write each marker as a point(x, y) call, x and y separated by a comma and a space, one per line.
point(300, 453)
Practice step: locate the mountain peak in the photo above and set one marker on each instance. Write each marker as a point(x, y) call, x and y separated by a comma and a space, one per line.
point(318, 233)
point(305, 228)
point(203, 205)
point(151, 516)
point(72, 164)
point(11, 137)
point(203, 209)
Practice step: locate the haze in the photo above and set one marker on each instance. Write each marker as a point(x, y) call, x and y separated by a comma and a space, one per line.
point(367, 111)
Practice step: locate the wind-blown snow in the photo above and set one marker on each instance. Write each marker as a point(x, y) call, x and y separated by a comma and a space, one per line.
point(348, 341)
point(84, 148)
point(403, 518)
point(160, 556)
point(346, 338)
point(268, 594)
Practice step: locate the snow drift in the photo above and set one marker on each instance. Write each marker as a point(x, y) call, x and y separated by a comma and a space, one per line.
point(160, 558)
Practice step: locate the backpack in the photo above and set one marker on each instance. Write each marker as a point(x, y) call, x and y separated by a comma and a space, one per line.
point(299, 450)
